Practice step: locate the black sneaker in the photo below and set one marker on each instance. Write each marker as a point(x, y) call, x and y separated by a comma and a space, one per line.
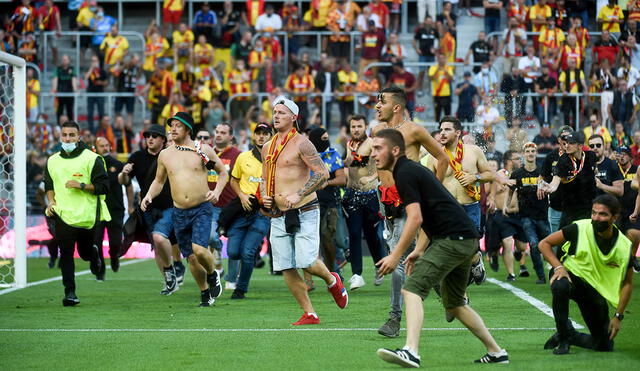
point(52, 262)
point(562, 348)
point(494, 263)
point(636, 265)
point(523, 271)
point(70, 300)
point(170, 282)
point(206, 299)
point(517, 255)
point(237, 294)
point(100, 277)
point(115, 264)
point(259, 263)
point(501, 357)
point(214, 284)
point(391, 328)
point(180, 269)
point(553, 341)
point(541, 281)
point(400, 357)
point(96, 264)
point(511, 278)
point(478, 272)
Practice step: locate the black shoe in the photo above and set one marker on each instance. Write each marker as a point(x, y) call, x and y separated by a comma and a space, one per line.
point(553, 341)
point(523, 271)
point(115, 264)
point(70, 300)
point(237, 294)
point(636, 265)
point(517, 255)
point(170, 282)
point(494, 263)
point(562, 348)
point(52, 262)
point(100, 277)
point(478, 272)
point(391, 328)
point(541, 281)
point(501, 357)
point(259, 263)
point(214, 284)
point(206, 300)
point(96, 265)
point(180, 269)
point(511, 278)
point(399, 356)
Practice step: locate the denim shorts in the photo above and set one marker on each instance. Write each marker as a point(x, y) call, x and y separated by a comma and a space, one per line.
point(298, 250)
point(192, 226)
point(473, 212)
point(159, 221)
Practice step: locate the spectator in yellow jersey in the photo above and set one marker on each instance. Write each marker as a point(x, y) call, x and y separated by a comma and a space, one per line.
point(171, 14)
point(441, 76)
point(182, 46)
point(257, 61)
point(170, 109)
point(239, 82)
point(611, 17)
point(299, 85)
point(33, 92)
point(115, 47)
point(203, 54)
point(551, 39)
point(155, 48)
point(85, 15)
point(571, 81)
point(347, 81)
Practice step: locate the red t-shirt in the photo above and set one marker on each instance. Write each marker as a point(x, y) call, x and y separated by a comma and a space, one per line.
point(228, 158)
point(403, 81)
point(49, 17)
point(381, 10)
point(372, 43)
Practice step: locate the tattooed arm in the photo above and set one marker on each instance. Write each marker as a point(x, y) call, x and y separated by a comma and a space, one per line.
point(310, 157)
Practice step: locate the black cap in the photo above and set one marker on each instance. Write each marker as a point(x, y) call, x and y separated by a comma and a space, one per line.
point(565, 129)
point(625, 150)
point(184, 118)
point(263, 126)
point(156, 129)
point(572, 138)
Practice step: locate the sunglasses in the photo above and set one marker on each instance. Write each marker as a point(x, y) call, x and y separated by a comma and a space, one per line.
point(152, 135)
point(202, 137)
point(595, 145)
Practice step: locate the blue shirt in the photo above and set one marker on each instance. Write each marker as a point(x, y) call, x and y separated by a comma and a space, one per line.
point(208, 17)
point(330, 195)
point(74, 4)
point(103, 26)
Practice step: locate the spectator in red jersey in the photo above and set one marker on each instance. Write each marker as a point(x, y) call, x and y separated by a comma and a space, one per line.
point(606, 47)
point(49, 20)
point(406, 81)
point(378, 7)
point(372, 42)
point(635, 148)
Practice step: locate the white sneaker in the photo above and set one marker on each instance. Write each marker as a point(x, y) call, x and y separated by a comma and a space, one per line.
point(378, 279)
point(229, 285)
point(356, 281)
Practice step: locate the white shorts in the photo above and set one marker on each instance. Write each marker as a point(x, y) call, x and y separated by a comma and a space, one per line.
point(298, 250)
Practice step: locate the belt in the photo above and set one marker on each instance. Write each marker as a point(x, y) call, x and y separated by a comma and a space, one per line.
point(453, 237)
point(313, 205)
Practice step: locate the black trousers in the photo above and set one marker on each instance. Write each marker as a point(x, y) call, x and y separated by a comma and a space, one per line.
point(65, 104)
point(442, 104)
point(68, 236)
point(593, 307)
point(115, 234)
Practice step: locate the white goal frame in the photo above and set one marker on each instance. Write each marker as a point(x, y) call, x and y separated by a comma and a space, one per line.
point(19, 166)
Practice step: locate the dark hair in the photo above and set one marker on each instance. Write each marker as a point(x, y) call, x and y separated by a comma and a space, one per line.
point(70, 124)
point(397, 94)
point(393, 137)
point(434, 133)
point(452, 119)
point(227, 125)
point(507, 155)
point(597, 136)
point(610, 202)
point(357, 117)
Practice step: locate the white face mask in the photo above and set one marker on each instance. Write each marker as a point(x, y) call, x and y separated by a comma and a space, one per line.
point(69, 147)
point(485, 71)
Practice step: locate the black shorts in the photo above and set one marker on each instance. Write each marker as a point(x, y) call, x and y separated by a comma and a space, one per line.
point(503, 227)
point(624, 224)
point(339, 49)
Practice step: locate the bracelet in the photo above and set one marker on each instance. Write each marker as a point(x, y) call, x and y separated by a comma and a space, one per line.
point(558, 267)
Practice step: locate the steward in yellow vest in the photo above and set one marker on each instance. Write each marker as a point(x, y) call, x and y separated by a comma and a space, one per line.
point(76, 182)
point(594, 270)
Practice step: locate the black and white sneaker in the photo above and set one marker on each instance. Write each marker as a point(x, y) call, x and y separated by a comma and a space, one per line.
point(206, 299)
point(70, 300)
point(499, 357)
point(96, 265)
point(636, 265)
point(400, 357)
point(170, 282)
point(214, 284)
point(523, 271)
point(180, 269)
point(478, 272)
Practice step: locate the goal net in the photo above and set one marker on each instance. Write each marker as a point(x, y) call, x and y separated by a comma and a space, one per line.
point(13, 202)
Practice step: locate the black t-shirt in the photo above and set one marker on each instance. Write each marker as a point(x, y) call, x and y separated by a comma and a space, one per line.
point(608, 172)
point(442, 215)
point(65, 78)
point(629, 195)
point(481, 51)
point(578, 181)
point(490, 12)
point(555, 199)
point(539, 139)
point(443, 19)
point(114, 200)
point(426, 39)
point(527, 186)
point(546, 83)
point(98, 76)
point(127, 80)
point(144, 170)
point(570, 234)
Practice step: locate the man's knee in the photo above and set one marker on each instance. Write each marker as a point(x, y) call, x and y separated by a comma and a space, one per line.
point(158, 239)
point(561, 286)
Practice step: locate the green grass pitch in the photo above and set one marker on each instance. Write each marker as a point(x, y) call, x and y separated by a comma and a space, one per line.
point(130, 326)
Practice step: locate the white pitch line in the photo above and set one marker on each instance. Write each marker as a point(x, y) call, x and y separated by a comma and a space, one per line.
point(541, 306)
point(53, 279)
point(261, 329)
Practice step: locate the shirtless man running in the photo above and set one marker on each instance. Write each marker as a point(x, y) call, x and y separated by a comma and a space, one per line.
point(288, 195)
point(186, 163)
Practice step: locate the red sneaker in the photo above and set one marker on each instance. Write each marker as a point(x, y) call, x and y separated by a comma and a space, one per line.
point(307, 319)
point(339, 292)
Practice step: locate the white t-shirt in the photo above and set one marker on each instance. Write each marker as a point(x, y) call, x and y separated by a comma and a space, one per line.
point(483, 116)
point(361, 23)
point(510, 47)
point(534, 68)
point(264, 22)
point(632, 75)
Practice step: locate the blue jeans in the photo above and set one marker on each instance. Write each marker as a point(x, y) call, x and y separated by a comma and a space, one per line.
point(554, 217)
point(245, 239)
point(535, 229)
point(491, 24)
point(362, 216)
point(192, 227)
point(214, 239)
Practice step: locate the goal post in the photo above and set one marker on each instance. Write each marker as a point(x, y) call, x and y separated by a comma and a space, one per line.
point(14, 130)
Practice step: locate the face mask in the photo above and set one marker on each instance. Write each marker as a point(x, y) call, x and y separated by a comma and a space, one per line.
point(69, 147)
point(315, 137)
point(599, 226)
point(485, 71)
point(100, 14)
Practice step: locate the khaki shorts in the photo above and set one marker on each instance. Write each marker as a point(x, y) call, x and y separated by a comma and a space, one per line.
point(447, 262)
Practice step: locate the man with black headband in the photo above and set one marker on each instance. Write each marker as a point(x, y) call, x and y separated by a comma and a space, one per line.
point(288, 196)
point(185, 164)
point(594, 269)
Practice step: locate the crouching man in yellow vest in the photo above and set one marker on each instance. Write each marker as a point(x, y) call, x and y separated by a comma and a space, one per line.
point(76, 182)
point(594, 268)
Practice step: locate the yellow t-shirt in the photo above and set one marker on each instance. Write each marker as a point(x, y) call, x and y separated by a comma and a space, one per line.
point(160, 49)
point(84, 17)
point(573, 83)
point(610, 14)
point(172, 5)
point(114, 48)
point(267, 110)
point(551, 39)
point(322, 14)
point(347, 78)
point(440, 87)
point(604, 132)
point(536, 10)
point(248, 171)
point(32, 98)
point(203, 54)
point(179, 38)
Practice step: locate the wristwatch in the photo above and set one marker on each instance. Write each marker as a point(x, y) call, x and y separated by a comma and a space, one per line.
point(478, 177)
point(619, 316)
point(82, 185)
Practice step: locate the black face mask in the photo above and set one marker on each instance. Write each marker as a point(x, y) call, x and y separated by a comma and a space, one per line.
point(315, 137)
point(599, 226)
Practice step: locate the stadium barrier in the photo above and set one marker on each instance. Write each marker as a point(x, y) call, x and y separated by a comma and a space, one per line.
point(109, 96)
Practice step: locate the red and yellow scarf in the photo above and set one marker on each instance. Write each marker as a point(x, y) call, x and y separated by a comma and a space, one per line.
point(272, 158)
point(472, 190)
